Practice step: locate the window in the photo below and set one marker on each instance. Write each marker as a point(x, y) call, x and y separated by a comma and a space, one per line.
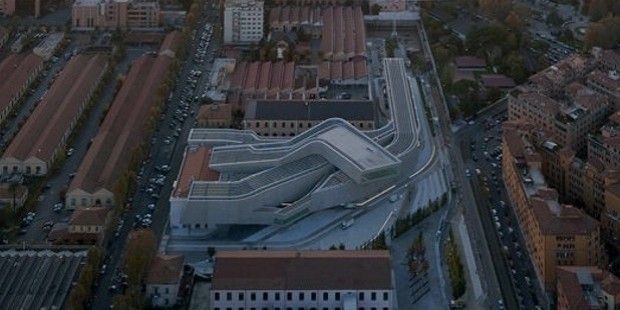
point(289, 296)
point(361, 296)
point(373, 296)
point(385, 296)
point(229, 296)
point(337, 296)
point(217, 296)
point(253, 296)
point(240, 297)
point(301, 296)
point(265, 296)
point(313, 296)
point(277, 296)
point(326, 296)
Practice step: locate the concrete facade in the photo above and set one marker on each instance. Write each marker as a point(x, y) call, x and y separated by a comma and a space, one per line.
point(115, 14)
point(243, 21)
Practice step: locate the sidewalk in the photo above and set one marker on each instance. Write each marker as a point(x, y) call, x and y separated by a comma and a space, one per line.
point(474, 291)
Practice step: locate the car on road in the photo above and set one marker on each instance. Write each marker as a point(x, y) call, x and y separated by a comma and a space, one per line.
point(57, 207)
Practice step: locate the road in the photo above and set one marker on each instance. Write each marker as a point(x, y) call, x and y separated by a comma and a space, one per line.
point(161, 154)
point(512, 258)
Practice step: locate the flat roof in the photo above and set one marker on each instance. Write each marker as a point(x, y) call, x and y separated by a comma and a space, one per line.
point(302, 270)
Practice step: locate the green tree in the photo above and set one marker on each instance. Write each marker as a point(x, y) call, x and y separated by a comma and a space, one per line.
point(554, 19)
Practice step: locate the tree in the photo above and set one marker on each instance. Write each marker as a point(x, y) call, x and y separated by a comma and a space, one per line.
point(554, 19)
point(139, 251)
point(210, 251)
point(77, 297)
point(375, 9)
point(597, 9)
point(13, 187)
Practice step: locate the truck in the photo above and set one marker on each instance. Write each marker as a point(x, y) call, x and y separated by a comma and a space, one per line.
point(347, 223)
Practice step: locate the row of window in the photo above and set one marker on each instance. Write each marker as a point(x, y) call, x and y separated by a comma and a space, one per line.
point(301, 296)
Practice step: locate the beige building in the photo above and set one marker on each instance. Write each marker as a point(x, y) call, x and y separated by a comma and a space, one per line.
point(164, 279)
point(243, 21)
point(281, 280)
point(566, 121)
point(292, 117)
point(115, 14)
point(587, 288)
point(215, 116)
point(555, 234)
point(86, 226)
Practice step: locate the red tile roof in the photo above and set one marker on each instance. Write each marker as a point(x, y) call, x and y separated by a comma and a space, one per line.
point(52, 119)
point(15, 71)
point(497, 80)
point(561, 219)
point(466, 62)
point(92, 216)
point(302, 270)
point(343, 34)
point(171, 42)
point(165, 269)
point(195, 168)
point(123, 127)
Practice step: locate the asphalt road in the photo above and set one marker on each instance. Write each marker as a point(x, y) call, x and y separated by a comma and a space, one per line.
point(161, 154)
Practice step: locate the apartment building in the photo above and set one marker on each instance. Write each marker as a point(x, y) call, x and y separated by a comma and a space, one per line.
point(243, 21)
point(115, 14)
point(292, 117)
point(567, 121)
point(280, 280)
point(587, 288)
point(555, 234)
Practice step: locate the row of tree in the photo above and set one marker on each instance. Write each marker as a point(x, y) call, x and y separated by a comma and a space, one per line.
point(455, 268)
point(81, 293)
point(140, 249)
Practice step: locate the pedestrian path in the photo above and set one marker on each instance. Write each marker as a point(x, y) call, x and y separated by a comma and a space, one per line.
point(429, 188)
point(470, 260)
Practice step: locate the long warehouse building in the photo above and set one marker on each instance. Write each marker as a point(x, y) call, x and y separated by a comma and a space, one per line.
point(46, 131)
point(123, 129)
point(17, 72)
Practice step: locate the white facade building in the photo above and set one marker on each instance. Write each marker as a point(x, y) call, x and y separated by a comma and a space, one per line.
point(283, 280)
point(243, 21)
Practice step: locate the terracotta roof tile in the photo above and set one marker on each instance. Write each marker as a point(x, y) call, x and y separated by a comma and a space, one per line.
point(91, 216)
point(15, 70)
point(165, 269)
point(195, 168)
point(42, 133)
point(302, 270)
point(123, 126)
